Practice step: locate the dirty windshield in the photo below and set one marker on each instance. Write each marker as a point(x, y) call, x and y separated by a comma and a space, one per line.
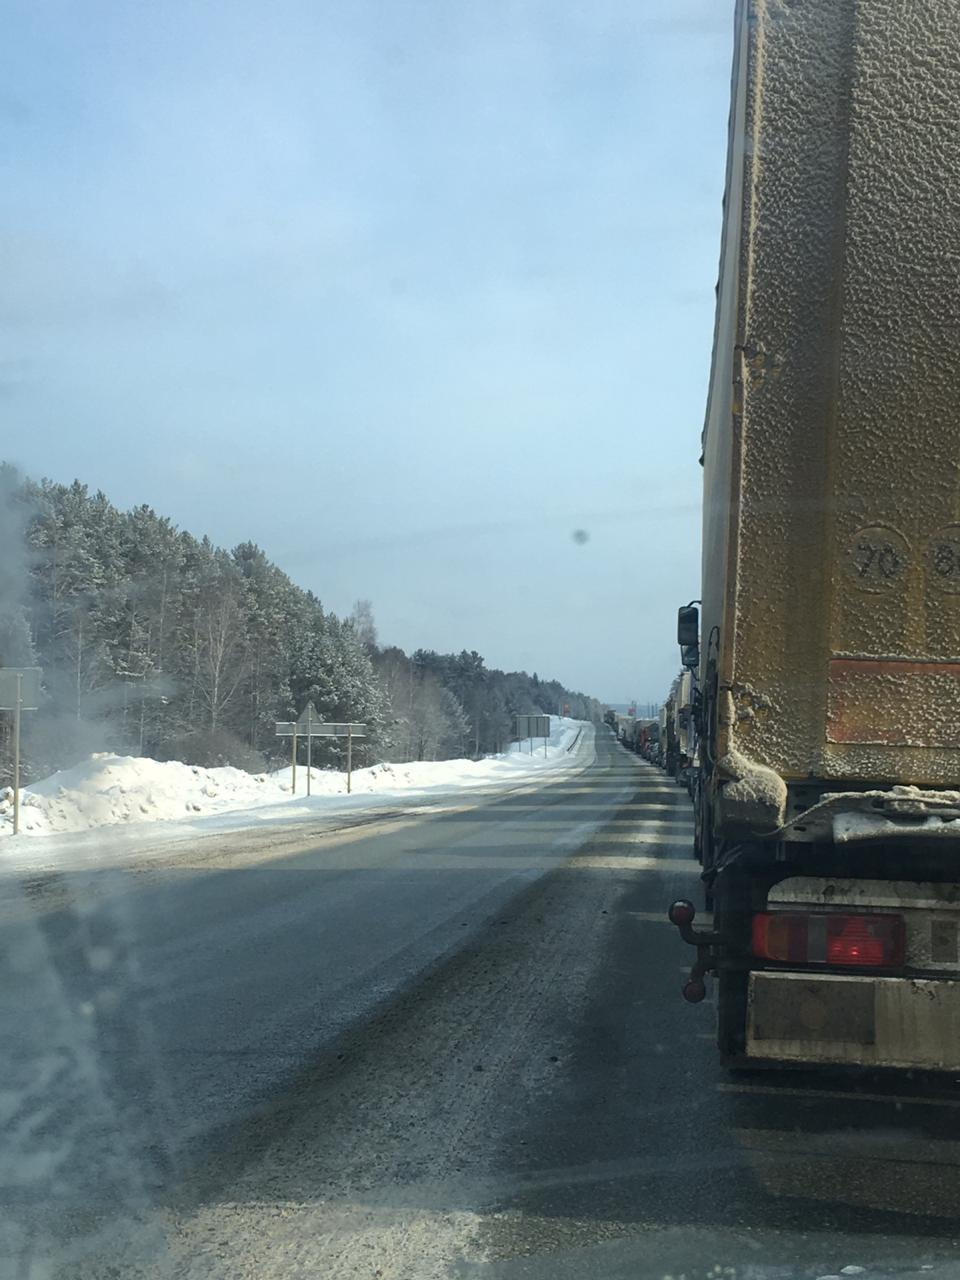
point(480, 640)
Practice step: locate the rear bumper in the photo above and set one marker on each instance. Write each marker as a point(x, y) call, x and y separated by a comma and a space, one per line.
point(858, 1021)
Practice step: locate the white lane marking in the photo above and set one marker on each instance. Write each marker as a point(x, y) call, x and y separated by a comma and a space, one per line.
point(670, 819)
point(664, 831)
point(607, 862)
point(777, 1091)
point(641, 836)
point(651, 804)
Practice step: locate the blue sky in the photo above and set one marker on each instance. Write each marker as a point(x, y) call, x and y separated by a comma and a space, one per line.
point(406, 292)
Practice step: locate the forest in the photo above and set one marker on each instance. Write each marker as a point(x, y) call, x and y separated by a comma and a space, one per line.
point(154, 642)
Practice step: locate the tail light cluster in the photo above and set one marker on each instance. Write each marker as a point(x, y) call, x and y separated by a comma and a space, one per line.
point(827, 937)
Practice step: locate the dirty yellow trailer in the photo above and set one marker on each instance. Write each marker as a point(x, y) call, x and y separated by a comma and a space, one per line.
point(829, 630)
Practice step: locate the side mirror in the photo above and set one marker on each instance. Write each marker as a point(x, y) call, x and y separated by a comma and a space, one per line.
point(688, 626)
point(690, 657)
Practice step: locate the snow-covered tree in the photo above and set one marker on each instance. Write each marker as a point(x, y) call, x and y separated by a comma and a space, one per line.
point(154, 641)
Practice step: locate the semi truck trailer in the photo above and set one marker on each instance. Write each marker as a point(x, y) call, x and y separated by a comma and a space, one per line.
point(827, 638)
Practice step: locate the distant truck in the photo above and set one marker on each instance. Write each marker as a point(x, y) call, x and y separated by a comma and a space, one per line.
point(670, 739)
point(624, 729)
point(646, 738)
point(685, 728)
point(827, 644)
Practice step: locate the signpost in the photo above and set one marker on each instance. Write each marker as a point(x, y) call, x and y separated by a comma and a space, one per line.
point(305, 725)
point(19, 691)
point(310, 726)
point(534, 727)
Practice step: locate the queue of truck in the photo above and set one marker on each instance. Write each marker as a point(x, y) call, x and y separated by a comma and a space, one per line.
point(669, 741)
point(639, 735)
point(818, 714)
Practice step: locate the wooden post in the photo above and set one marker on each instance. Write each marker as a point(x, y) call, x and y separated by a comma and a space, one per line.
point(293, 760)
point(349, 757)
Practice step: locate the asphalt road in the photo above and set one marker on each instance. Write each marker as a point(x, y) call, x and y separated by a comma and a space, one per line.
point(442, 1045)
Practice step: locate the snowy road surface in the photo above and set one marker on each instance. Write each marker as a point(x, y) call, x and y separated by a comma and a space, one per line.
point(443, 1044)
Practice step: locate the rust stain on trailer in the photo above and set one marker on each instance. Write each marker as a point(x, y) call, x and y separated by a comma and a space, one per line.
point(891, 702)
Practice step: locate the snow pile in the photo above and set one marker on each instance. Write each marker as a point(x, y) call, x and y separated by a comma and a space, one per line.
point(107, 790)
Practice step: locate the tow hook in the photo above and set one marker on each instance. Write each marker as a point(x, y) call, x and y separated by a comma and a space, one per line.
point(682, 913)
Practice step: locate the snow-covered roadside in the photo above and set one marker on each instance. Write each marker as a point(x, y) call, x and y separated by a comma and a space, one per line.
point(136, 794)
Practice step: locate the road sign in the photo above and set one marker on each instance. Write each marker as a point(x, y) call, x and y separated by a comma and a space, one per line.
point(29, 682)
point(319, 729)
point(307, 726)
point(334, 729)
point(338, 729)
point(534, 727)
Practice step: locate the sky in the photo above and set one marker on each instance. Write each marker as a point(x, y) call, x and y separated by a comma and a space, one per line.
point(413, 293)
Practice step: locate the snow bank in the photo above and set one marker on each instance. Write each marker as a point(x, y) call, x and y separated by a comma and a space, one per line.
point(107, 790)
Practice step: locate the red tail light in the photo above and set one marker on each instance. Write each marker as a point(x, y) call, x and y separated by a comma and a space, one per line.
point(867, 940)
point(863, 941)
